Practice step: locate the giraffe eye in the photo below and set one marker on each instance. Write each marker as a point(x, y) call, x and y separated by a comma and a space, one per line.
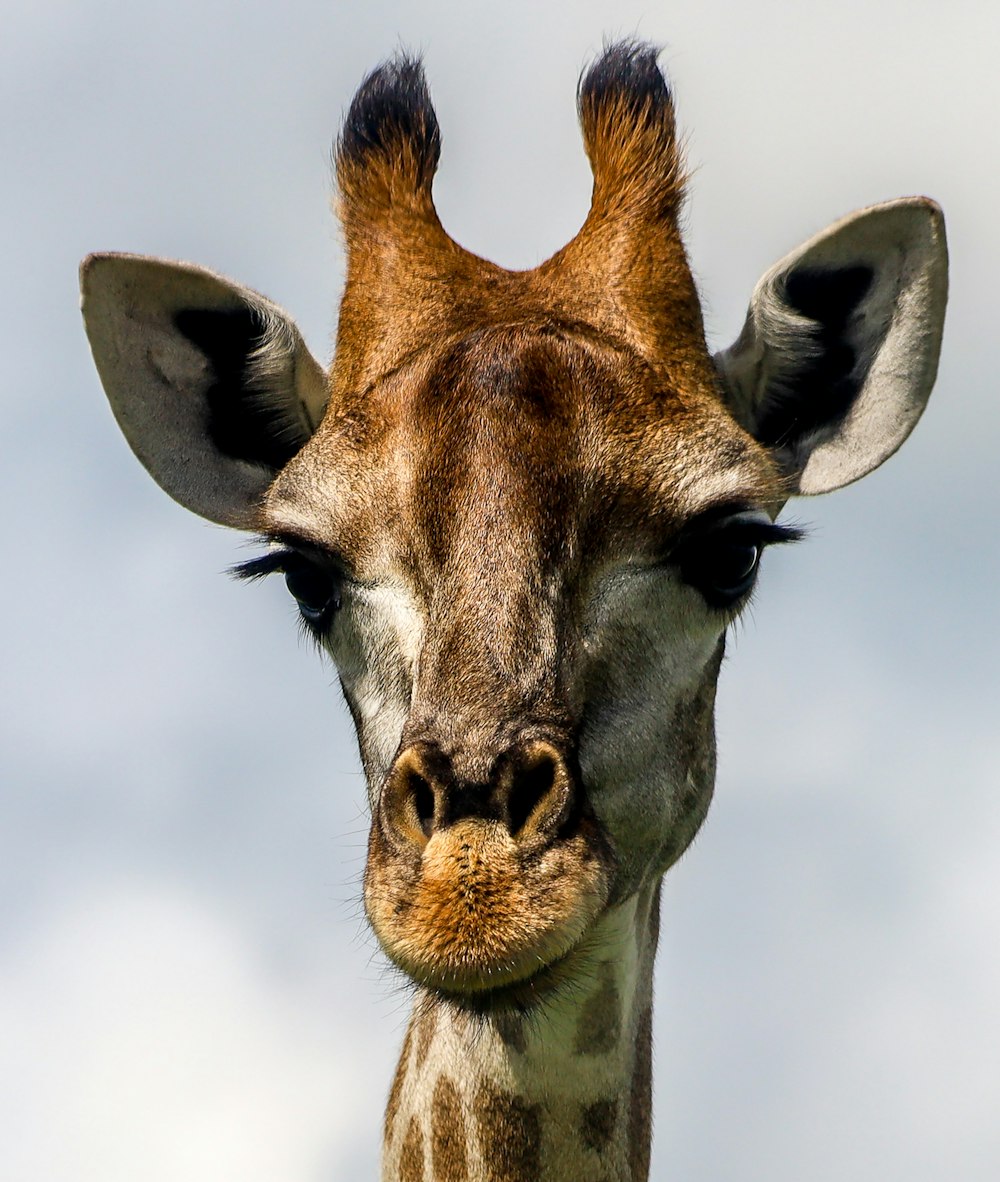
point(719, 555)
point(722, 570)
point(315, 589)
point(314, 584)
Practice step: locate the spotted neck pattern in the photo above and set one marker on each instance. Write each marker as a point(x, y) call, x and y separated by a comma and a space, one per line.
point(560, 1093)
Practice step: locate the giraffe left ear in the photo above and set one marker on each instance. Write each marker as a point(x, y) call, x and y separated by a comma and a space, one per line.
point(210, 382)
point(840, 347)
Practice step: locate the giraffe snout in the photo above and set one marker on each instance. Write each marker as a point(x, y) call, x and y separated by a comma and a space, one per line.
point(530, 791)
point(475, 887)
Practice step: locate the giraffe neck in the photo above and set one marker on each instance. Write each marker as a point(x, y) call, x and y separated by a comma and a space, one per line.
point(561, 1094)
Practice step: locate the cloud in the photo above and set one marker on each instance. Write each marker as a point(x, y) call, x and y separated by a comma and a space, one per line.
point(140, 1026)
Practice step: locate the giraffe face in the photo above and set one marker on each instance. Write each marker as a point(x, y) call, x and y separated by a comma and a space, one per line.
point(534, 549)
point(522, 507)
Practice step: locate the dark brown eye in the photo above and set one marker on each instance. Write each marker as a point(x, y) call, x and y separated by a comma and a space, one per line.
point(722, 570)
point(315, 583)
point(315, 589)
point(719, 556)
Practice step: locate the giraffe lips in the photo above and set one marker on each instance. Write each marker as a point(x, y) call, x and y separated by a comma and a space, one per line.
point(521, 995)
point(474, 919)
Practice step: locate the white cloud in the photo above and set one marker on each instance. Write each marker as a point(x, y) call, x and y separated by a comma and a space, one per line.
point(143, 1037)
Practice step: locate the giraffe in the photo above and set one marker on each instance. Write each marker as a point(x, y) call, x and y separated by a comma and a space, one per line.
point(520, 512)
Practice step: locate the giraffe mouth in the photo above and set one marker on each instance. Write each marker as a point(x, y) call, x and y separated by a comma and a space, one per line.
point(476, 922)
point(523, 995)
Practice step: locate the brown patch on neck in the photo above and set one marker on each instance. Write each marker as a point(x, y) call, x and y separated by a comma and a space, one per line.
point(597, 1124)
point(396, 1091)
point(426, 1025)
point(640, 1122)
point(411, 1158)
point(599, 1027)
point(510, 1027)
point(510, 1136)
point(449, 1161)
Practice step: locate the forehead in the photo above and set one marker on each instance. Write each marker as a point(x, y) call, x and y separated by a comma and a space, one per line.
point(552, 438)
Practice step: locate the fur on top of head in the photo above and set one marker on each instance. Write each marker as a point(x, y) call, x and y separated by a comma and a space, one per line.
point(408, 283)
point(389, 147)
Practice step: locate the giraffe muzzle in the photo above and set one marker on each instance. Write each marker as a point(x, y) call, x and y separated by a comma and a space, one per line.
point(475, 887)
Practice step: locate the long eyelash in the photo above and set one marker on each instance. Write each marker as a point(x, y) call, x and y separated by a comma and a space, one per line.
point(771, 534)
point(753, 531)
point(259, 568)
point(741, 522)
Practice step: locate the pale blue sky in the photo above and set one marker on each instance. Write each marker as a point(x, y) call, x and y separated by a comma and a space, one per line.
point(187, 990)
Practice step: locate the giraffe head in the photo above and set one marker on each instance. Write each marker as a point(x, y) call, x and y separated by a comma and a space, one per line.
point(522, 508)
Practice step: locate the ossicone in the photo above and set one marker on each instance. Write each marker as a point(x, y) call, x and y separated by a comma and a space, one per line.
point(389, 146)
point(629, 131)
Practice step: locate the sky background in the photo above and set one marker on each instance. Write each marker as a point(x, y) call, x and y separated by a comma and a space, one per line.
point(187, 988)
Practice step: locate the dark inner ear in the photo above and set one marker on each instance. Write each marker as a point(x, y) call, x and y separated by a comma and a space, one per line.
point(826, 384)
point(243, 422)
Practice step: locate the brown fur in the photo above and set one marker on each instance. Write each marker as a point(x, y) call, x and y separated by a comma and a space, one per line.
point(398, 1083)
point(597, 1124)
point(641, 1100)
point(475, 915)
point(600, 1022)
point(411, 1158)
point(587, 460)
point(448, 1151)
point(425, 1021)
point(510, 1027)
point(625, 275)
point(510, 1136)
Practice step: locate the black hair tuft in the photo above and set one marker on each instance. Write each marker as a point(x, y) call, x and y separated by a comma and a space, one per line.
point(626, 70)
point(391, 108)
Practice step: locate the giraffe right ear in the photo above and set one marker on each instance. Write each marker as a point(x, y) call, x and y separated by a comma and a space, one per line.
point(840, 347)
point(211, 383)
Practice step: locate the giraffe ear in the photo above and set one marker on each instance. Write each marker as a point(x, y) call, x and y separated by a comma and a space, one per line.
point(840, 347)
point(211, 383)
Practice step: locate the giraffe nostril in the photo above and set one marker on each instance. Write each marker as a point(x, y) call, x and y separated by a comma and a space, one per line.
point(423, 802)
point(529, 792)
point(534, 791)
point(412, 797)
point(530, 786)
